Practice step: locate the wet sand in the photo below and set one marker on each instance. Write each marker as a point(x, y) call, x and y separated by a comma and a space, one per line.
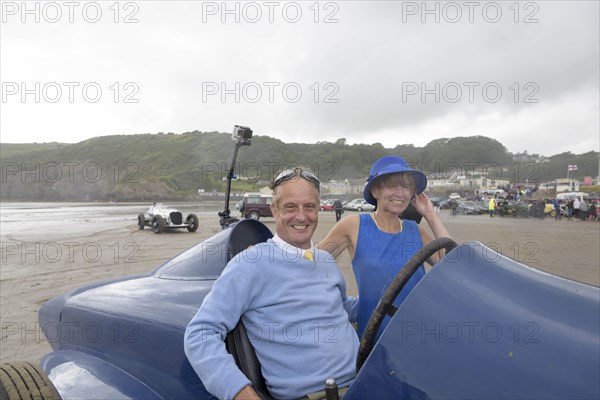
point(48, 252)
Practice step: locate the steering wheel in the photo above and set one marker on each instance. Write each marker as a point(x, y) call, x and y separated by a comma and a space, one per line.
point(385, 305)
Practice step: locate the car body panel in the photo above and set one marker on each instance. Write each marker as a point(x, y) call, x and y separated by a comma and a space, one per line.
point(482, 326)
point(117, 323)
point(77, 375)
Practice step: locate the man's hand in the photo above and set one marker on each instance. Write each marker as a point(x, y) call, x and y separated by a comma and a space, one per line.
point(247, 393)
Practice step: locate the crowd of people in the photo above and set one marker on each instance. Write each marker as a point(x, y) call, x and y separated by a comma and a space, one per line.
point(579, 210)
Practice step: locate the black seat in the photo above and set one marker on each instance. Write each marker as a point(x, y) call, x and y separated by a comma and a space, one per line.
point(239, 346)
point(247, 233)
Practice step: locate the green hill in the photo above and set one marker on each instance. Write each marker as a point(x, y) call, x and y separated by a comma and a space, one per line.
point(170, 166)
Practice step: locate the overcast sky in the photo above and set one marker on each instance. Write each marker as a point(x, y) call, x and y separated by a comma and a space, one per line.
point(526, 74)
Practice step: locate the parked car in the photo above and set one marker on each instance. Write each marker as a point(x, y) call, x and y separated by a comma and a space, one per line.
point(359, 205)
point(469, 207)
point(327, 205)
point(454, 196)
point(493, 192)
point(505, 207)
point(516, 209)
point(445, 204)
point(435, 200)
point(256, 205)
point(549, 209)
point(159, 217)
point(484, 205)
point(572, 196)
point(350, 205)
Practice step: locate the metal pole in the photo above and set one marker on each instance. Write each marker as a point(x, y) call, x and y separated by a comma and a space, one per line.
point(242, 136)
point(230, 177)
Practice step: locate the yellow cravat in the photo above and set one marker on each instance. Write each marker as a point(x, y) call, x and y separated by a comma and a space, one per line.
point(308, 254)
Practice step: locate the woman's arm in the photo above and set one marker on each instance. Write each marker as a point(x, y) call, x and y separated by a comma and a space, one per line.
point(342, 236)
point(426, 209)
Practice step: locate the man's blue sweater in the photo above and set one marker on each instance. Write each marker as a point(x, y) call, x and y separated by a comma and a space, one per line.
point(296, 313)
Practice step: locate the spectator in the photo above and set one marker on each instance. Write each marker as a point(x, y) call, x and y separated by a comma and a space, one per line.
point(339, 209)
point(492, 207)
point(556, 205)
point(570, 210)
point(593, 211)
point(583, 210)
point(576, 207)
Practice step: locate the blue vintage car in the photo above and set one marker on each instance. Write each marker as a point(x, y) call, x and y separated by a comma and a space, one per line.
point(478, 326)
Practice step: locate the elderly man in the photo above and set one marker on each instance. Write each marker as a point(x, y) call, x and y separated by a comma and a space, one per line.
point(291, 297)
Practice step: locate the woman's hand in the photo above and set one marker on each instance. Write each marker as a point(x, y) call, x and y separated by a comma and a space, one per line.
point(423, 205)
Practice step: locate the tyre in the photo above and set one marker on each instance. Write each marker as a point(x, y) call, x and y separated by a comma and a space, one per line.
point(158, 224)
point(359, 208)
point(23, 380)
point(192, 222)
point(322, 209)
point(254, 215)
point(553, 213)
point(141, 221)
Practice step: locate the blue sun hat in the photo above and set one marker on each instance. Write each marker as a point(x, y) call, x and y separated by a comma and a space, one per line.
point(391, 165)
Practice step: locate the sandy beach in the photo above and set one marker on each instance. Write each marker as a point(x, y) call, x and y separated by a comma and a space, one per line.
point(52, 248)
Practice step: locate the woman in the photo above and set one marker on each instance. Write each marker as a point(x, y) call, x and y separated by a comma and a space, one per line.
point(380, 243)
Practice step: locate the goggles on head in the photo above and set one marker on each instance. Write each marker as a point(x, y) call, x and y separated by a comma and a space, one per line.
point(290, 173)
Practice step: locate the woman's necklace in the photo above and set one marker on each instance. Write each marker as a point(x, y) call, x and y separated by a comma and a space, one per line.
point(378, 227)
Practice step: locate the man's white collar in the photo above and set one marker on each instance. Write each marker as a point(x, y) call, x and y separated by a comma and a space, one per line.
point(289, 248)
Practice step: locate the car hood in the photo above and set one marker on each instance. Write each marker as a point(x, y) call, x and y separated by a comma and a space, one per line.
point(143, 298)
point(137, 324)
point(165, 211)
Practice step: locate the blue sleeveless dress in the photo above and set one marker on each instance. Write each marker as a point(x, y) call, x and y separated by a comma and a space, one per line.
point(377, 259)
